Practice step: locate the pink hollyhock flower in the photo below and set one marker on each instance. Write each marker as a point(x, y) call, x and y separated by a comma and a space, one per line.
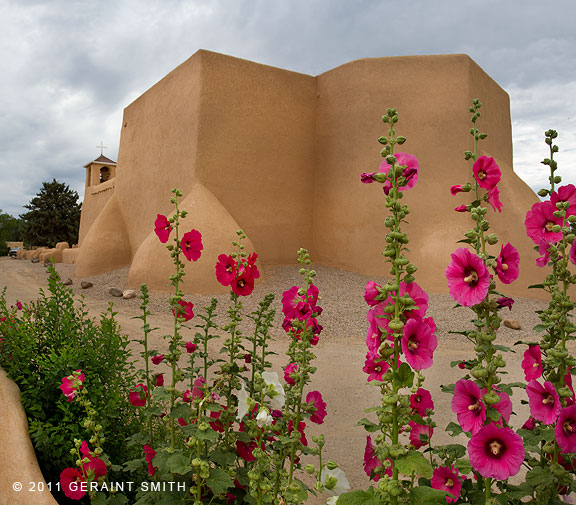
point(162, 228)
point(372, 293)
point(292, 367)
point(446, 478)
point(71, 480)
point(190, 347)
point(243, 284)
point(217, 425)
point(157, 359)
point(505, 302)
point(507, 264)
point(544, 401)
point(371, 462)
point(367, 177)
point(301, 427)
point(159, 379)
point(543, 247)
point(468, 278)
point(185, 312)
point(532, 363)
point(421, 401)
point(416, 293)
point(468, 406)
point(418, 343)
point(149, 456)
point(248, 358)
point(568, 382)
point(530, 424)
point(71, 384)
point(225, 269)
point(94, 464)
point(198, 387)
point(493, 198)
point(416, 431)
point(565, 194)
point(572, 252)
point(315, 398)
point(454, 190)
point(19, 305)
point(486, 172)
point(496, 452)
point(374, 366)
point(138, 395)
point(191, 245)
point(410, 173)
point(461, 208)
point(504, 406)
point(565, 429)
point(539, 222)
point(374, 335)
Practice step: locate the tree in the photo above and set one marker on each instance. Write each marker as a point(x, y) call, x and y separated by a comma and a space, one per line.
point(54, 216)
point(10, 231)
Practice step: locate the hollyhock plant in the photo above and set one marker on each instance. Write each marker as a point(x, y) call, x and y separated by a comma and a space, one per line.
point(157, 359)
point(419, 343)
point(290, 368)
point(374, 366)
point(185, 312)
point(468, 406)
point(461, 208)
point(409, 172)
point(540, 221)
point(532, 363)
point(493, 198)
point(371, 461)
point(544, 401)
point(446, 479)
point(71, 480)
point(507, 264)
point(190, 347)
point(421, 401)
point(149, 457)
point(315, 399)
point(225, 269)
point(138, 395)
point(572, 253)
point(505, 301)
point(565, 430)
point(191, 245)
point(94, 465)
point(486, 172)
point(496, 452)
point(372, 293)
point(468, 278)
point(162, 228)
point(374, 335)
point(417, 432)
point(72, 384)
point(565, 194)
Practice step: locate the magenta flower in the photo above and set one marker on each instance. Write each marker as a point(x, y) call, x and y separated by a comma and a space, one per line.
point(190, 347)
point(468, 406)
point(468, 278)
point(493, 198)
point(504, 406)
point(159, 379)
point(315, 398)
point(410, 173)
point(539, 222)
point(372, 293)
point(446, 478)
point(162, 228)
point(94, 464)
point(416, 432)
point(367, 177)
point(572, 252)
point(149, 456)
point(371, 461)
point(544, 401)
point(198, 387)
point(19, 305)
point(418, 343)
point(157, 359)
point(454, 190)
point(543, 247)
point(292, 367)
point(421, 401)
point(461, 208)
point(496, 452)
point(225, 269)
point(532, 363)
point(374, 366)
point(186, 311)
point(486, 172)
point(191, 245)
point(71, 476)
point(565, 194)
point(565, 429)
point(374, 335)
point(138, 395)
point(243, 284)
point(530, 424)
point(507, 264)
point(71, 384)
point(505, 302)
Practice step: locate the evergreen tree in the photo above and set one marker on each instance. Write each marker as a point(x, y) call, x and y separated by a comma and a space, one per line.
point(10, 231)
point(54, 216)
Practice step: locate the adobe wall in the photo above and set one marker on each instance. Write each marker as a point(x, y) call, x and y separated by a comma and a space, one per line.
point(279, 154)
point(96, 196)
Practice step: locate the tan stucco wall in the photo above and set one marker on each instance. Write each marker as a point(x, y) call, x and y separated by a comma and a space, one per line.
point(96, 196)
point(279, 154)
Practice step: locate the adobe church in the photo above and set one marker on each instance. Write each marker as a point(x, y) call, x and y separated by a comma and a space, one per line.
point(279, 154)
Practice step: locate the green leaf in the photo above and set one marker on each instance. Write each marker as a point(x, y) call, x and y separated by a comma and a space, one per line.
point(369, 426)
point(463, 465)
point(160, 394)
point(222, 457)
point(424, 495)
point(536, 286)
point(134, 465)
point(503, 348)
point(181, 410)
point(358, 498)
point(178, 463)
point(414, 462)
point(454, 428)
point(447, 389)
point(219, 481)
point(100, 499)
point(492, 414)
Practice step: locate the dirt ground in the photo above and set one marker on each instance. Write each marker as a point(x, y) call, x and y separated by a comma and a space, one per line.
point(340, 353)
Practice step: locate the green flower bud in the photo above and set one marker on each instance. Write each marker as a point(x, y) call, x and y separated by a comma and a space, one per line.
point(391, 159)
point(379, 177)
point(556, 228)
point(411, 268)
point(492, 239)
point(478, 372)
point(491, 398)
point(309, 468)
point(543, 193)
point(548, 448)
point(571, 219)
point(383, 140)
point(395, 325)
point(400, 140)
point(330, 482)
point(331, 465)
point(559, 213)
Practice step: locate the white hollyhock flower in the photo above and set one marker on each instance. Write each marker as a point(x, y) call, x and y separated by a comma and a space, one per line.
point(342, 484)
point(332, 500)
point(242, 402)
point(271, 379)
point(264, 418)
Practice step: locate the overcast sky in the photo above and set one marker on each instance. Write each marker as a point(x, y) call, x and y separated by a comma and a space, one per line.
point(71, 66)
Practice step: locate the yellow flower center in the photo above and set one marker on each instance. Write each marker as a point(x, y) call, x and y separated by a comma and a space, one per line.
point(547, 399)
point(471, 277)
point(549, 226)
point(504, 267)
point(495, 447)
point(481, 175)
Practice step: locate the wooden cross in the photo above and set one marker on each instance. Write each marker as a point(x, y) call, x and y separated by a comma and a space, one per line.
point(102, 147)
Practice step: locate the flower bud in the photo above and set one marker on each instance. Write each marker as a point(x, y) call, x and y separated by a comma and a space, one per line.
point(383, 140)
point(400, 140)
point(411, 268)
point(478, 372)
point(379, 177)
point(395, 325)
point(492, 239)
point(309, 469)
point(390, 159)
point(491, 398)
point(331, 465)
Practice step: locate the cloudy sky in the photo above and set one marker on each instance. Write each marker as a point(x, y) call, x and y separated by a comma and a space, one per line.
point(71, 66)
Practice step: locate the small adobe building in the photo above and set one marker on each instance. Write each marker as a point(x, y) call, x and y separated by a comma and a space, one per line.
point(279, 154)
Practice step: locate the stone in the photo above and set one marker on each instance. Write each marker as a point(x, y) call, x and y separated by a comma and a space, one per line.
point(35, 260)
point(512, 324)
point(129, 293)
point(67, 282)
point(114, 292)
point(86, 284)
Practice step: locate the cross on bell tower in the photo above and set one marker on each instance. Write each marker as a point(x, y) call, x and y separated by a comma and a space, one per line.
point(102, 147)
